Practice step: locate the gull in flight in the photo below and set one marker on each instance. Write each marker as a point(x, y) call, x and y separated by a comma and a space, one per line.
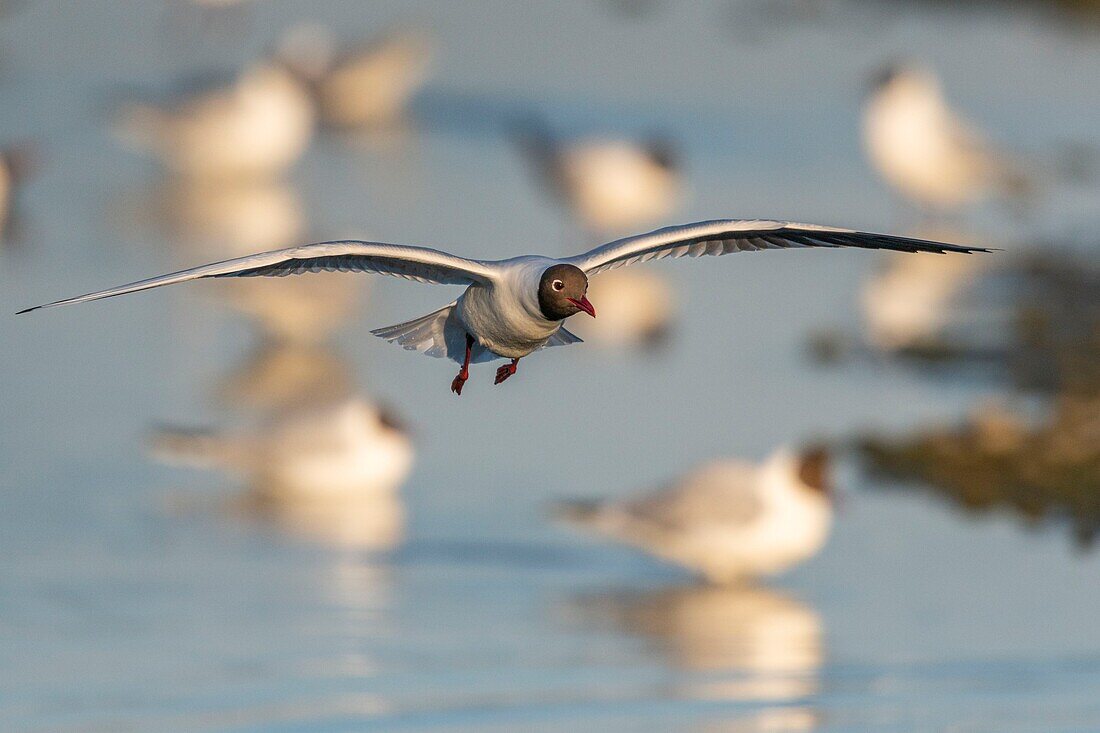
point(513, 307)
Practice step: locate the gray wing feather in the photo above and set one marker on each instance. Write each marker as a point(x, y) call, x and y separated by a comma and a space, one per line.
point(411, 263)
point(726, 236)
point(438, 334)
point(562, 337)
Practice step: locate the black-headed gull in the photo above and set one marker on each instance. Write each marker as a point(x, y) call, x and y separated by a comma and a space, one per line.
point(347, 449)
point(329, 472)
point(513, 307)
point(928, 152)
point(608, 185)
point(729, 520)
point(256, 126)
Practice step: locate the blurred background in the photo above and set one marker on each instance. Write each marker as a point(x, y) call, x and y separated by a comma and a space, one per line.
point(228, 507)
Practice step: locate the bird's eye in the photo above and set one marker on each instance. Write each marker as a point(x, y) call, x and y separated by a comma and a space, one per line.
point(558, 285)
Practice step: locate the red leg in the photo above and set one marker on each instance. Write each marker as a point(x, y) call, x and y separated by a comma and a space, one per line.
point(506, 371)
point(464, 373)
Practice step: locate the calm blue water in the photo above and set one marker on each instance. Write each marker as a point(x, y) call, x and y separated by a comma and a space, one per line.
point(130, 601)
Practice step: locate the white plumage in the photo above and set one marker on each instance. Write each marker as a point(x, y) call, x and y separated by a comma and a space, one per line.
point(607, 185)
point(256, 126)
point(728, 521)
point(929, 153)
point(344, 450)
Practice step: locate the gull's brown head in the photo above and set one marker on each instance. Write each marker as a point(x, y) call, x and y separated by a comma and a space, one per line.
point(562, 292)
point(814, 470)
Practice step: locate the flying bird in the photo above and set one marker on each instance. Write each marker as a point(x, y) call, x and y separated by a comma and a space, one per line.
point(729, 521)
point(513, 307)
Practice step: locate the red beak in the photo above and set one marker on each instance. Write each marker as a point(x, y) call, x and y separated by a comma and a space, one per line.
point(584, 305)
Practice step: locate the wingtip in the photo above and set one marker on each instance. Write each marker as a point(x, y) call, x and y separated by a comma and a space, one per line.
point(27, 310)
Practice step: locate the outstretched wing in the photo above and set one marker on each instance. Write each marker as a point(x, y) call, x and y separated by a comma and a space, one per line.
point(412, 263)
point(743, 235)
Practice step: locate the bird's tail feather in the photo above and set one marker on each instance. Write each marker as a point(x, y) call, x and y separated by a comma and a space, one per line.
point(434, 334)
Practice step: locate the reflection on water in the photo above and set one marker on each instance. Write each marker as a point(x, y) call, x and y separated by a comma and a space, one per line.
point(297, 308)
point(219, 217)
point(214, 220)
point(925, 303)
point(1033, 316)
point(1042, 468)
point(738, 643)
point(117, 616)
point(369, 522)
point(282, 375)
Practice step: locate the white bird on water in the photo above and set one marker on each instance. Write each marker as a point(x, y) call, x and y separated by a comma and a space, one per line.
point(350, 449)
point(729, 521)
point(608, 185)
point(927, 151)
point(256, 126)
point(513, 307)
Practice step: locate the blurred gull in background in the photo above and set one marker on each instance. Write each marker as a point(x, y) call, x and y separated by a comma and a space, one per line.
point(365, 86)
point(17, 163)
point(257, 125)
point(729, 521)
point(931, 155)
point(607, 185)
point(346, 449)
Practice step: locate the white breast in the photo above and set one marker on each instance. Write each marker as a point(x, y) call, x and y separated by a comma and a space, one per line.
point(505, 317)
